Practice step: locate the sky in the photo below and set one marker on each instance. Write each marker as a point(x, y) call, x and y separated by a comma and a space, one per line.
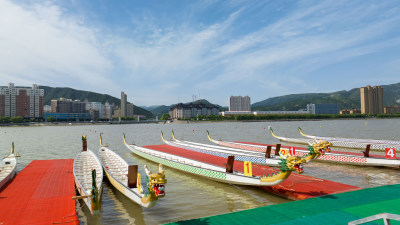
point(165, 52)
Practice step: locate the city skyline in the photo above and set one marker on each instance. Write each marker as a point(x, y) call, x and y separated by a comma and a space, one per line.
point(162, 53)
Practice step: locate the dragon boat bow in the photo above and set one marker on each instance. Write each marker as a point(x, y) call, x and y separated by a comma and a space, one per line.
point(352, 158)
point(356, 142)
point(8, 168)
point(314, 151)
point(88, 175)
point(169, 156)
point(125, 178)
point(240, 155)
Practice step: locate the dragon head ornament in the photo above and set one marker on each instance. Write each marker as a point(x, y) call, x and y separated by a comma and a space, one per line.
point(156, 182)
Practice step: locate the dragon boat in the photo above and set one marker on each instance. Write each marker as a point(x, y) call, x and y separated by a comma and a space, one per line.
point(88, 174)
point(126, 179)
point(240, 155)
point(355, 142)
point(8, 167)
point(218, 173)
point(353, 158)
point(314, 151)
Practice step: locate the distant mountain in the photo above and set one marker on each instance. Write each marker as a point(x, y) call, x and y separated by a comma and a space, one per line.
point(158, 111)
point(58, 92)
point(149, 108)
point(346, 99)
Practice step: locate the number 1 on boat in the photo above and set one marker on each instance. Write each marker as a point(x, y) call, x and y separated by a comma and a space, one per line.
point(292, 150)
point(248, 169)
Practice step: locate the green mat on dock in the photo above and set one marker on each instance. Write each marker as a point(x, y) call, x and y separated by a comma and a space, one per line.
point(330, 209)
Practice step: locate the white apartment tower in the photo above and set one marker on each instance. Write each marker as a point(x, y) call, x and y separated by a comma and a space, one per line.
point(129, 110)
point(24, 102)
point(239, 104)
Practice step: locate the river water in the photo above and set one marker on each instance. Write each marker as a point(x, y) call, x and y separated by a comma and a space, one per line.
point(189, 196)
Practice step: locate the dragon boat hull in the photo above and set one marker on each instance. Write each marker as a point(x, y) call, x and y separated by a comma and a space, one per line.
point(84, 164)
point(195, 167)
point(8, 169)
point(350, 158)
point(295, 187)
point(224, 152)
point(355, 142)
point(116, 170)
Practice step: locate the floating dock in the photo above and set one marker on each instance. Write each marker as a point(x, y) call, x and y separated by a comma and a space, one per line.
point(40, 194)
point(296, 187)
point(331, 209)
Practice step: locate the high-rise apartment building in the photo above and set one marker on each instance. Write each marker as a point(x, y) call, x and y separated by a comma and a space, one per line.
point(24, 102)
point(187, 111)
point(109, 110)
point(129, 110)
point(239, 104)
point(63, 105)
point(123, 104)
point(371, 100)
point(96, 106)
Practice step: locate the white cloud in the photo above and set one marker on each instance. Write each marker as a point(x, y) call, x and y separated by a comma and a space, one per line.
point(156, 62)
point(39, 44)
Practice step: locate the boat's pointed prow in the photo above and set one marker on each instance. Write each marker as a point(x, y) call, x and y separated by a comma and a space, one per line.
point(272, 132)
point(162, 136)
point(123, 136)
point(173, 136)
point(301, 132)
point(12, 148)
point(208, 135)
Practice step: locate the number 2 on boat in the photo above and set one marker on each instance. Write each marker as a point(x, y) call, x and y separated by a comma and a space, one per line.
point(390, 153)
point(248, 169)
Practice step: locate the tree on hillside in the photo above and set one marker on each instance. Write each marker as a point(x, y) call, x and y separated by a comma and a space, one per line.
point(165, 116)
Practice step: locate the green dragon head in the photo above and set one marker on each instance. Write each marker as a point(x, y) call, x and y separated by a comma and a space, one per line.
point(156, 183)
point(292, 163)
point(319, 147)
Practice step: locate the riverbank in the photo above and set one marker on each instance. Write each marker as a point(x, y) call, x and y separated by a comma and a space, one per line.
point(74, 123)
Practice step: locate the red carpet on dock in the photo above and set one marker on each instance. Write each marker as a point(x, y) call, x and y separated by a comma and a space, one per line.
point(40, 194)
point(296, 187)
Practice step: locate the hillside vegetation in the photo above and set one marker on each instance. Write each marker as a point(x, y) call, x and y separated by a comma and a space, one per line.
point(346, 99)
point(57, 92)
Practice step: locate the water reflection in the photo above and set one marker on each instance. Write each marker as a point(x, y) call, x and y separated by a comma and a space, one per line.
point(126, 211)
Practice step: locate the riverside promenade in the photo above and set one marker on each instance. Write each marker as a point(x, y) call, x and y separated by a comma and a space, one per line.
point(329, 209)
